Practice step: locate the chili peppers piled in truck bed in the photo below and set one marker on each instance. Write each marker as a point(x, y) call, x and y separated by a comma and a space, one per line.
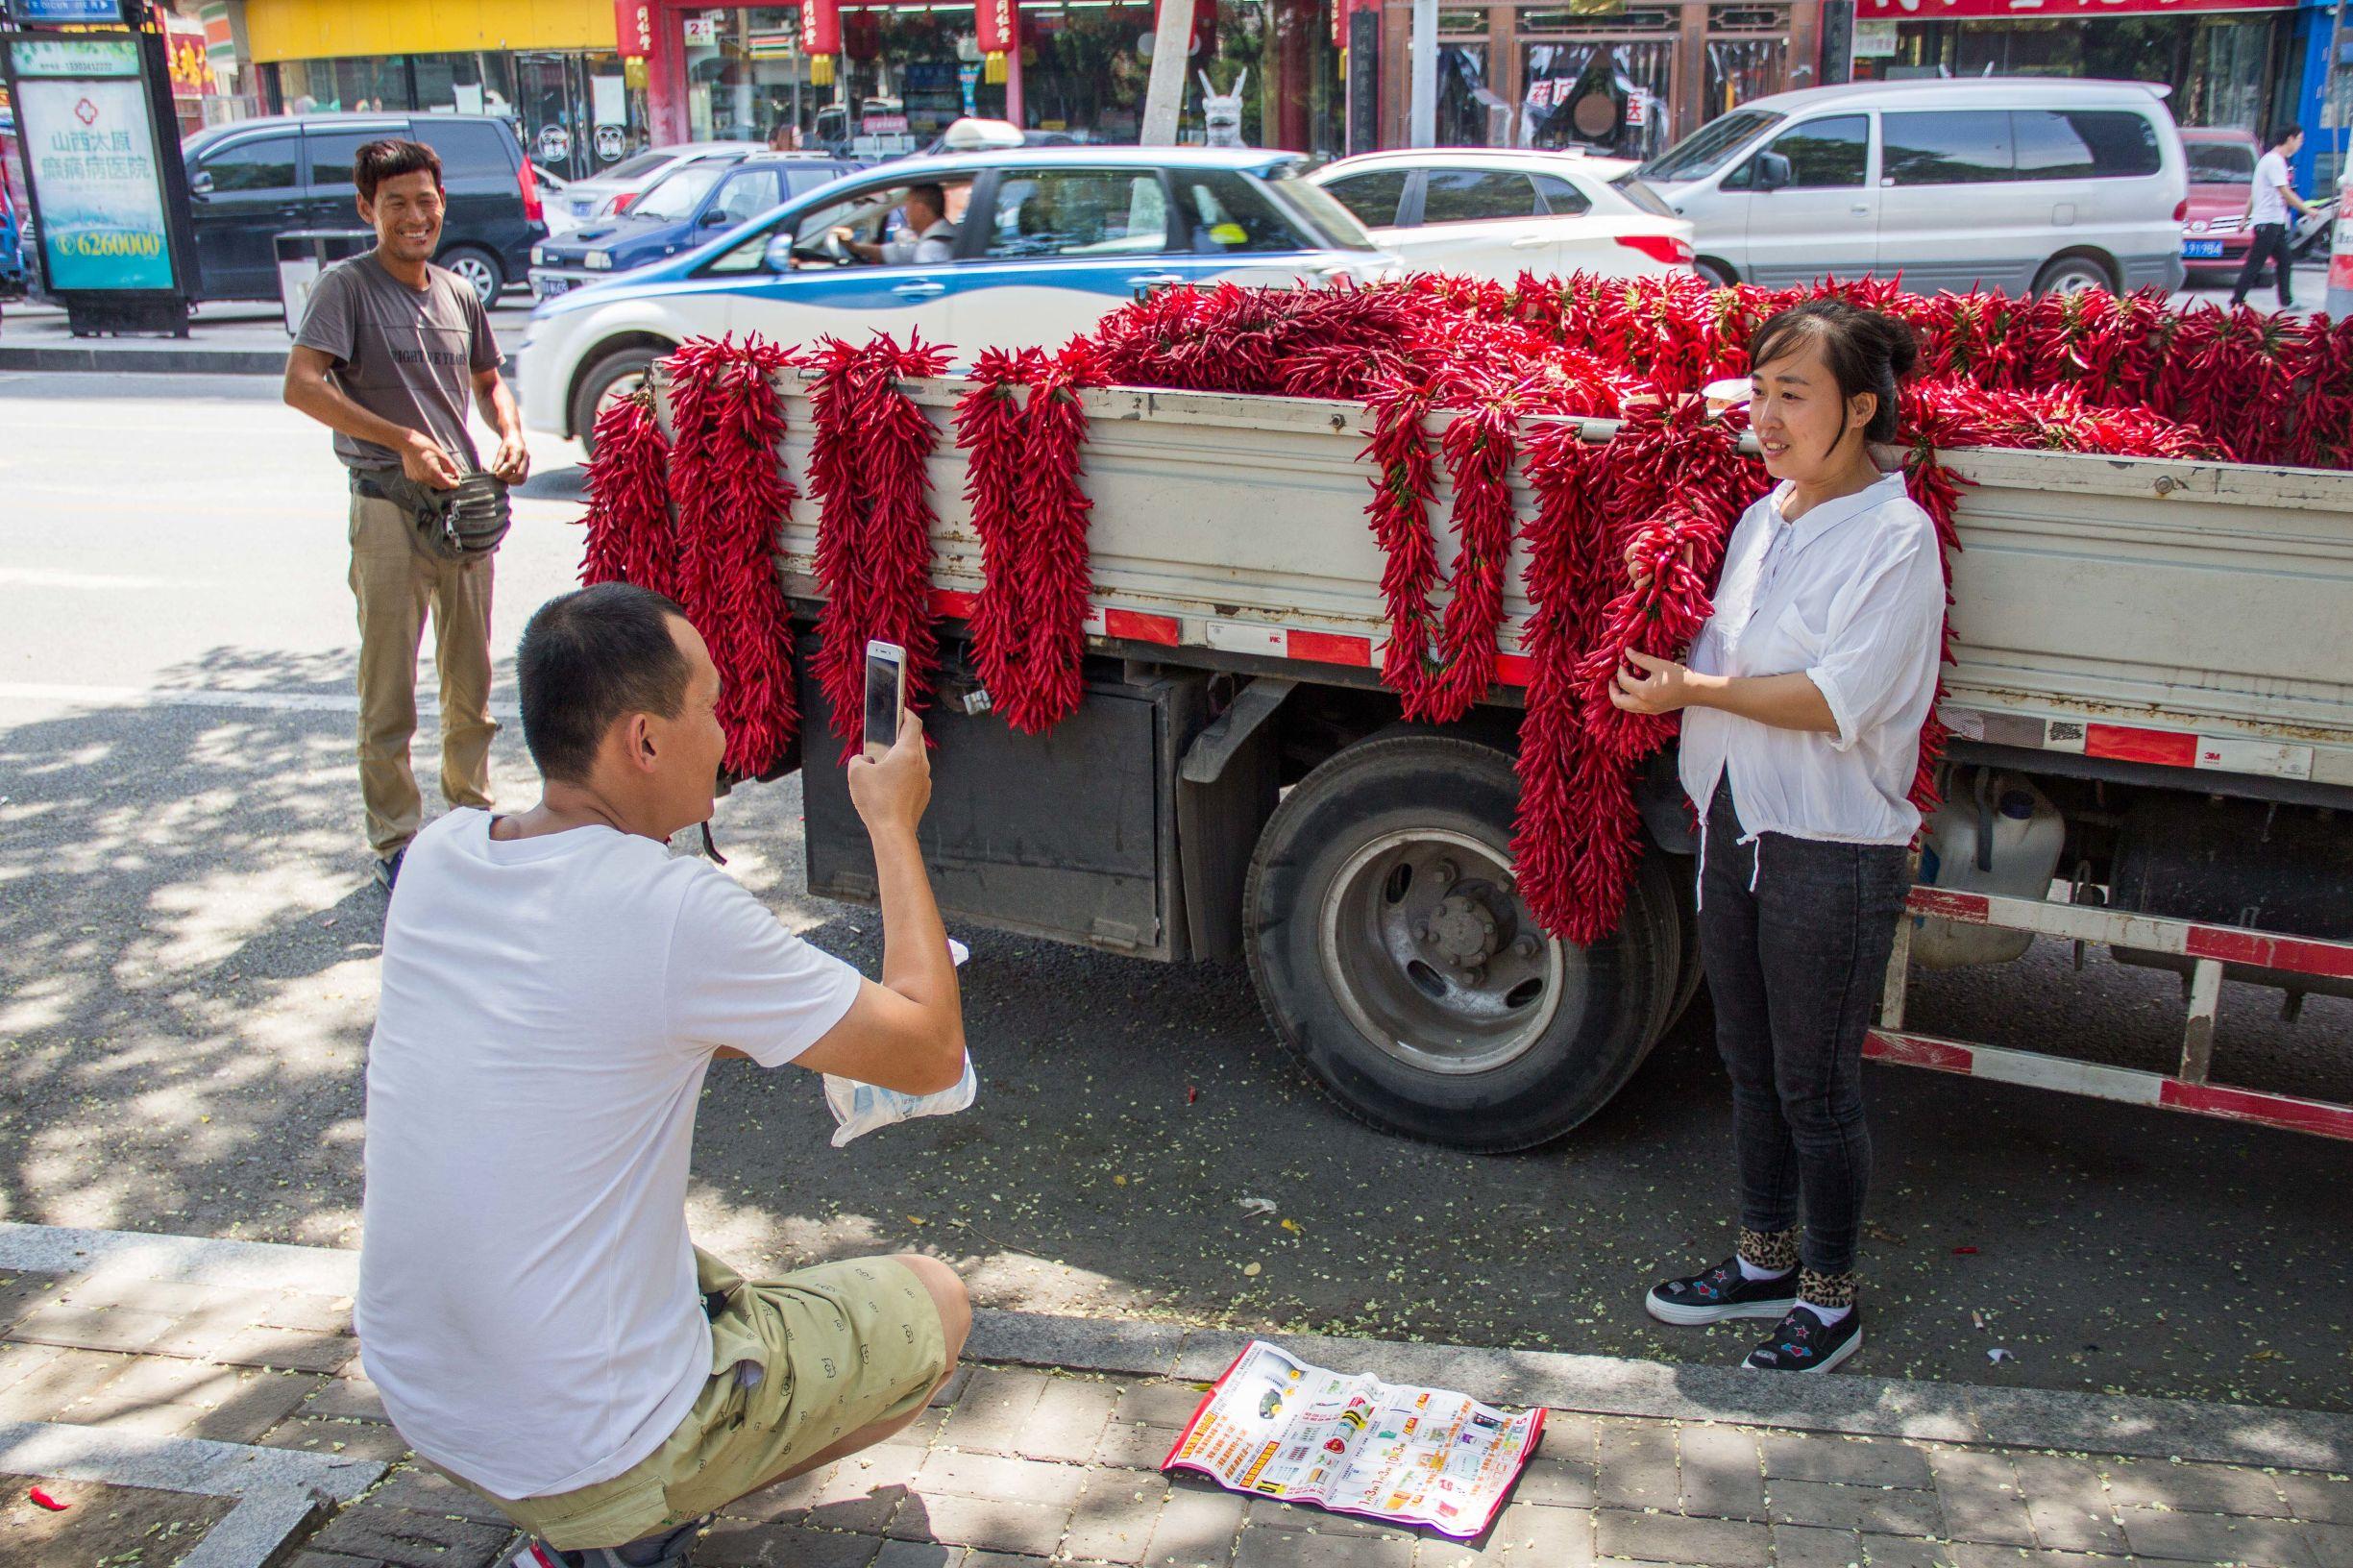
point(1455, 376)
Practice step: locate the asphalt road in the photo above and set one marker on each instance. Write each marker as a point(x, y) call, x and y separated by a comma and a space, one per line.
point(188, 966)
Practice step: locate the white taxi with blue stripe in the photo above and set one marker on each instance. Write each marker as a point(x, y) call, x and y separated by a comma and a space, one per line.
point(1041, 243)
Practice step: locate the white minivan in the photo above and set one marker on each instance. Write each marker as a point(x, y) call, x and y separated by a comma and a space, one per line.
point(2011, 184)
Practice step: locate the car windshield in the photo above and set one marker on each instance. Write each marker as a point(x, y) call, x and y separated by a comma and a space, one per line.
point(2220, 162)
point(638, 167)
point(674, 197)
point(1634, 188)
point(1331, 221)
point(1708, 149)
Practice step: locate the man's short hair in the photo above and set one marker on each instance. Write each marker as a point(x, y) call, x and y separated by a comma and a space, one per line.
point(2284, 134)
point(588, 658)
point(933, 192)
point(378, 161)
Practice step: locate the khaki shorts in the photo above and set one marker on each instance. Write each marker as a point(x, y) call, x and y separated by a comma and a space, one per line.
point(840, 1346)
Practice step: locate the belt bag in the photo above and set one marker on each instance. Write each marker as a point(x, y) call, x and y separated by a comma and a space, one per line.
point(465, 522)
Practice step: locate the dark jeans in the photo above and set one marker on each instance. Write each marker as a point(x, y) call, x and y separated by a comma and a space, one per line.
point(2271, 241)
point(1795, 968)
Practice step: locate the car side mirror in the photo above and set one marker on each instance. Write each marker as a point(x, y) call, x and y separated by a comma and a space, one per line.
point(1773, 171)
point(199, 183)
point(714, 219)
point(777, 255)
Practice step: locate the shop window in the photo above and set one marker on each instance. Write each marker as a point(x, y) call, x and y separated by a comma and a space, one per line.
point(1562, 199)
point(1955, 147)
point(263, 163)
point(1223, 212)
point(2084, 144)
point(1079, 213)
point(1478, 196)
point(1605, 96)
point(1741, 69)
point(1372, 197)
point(1822, 154)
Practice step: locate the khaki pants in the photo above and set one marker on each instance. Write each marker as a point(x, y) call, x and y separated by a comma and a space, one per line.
point(396, 578)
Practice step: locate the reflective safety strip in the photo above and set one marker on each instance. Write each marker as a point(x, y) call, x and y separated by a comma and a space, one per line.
point(1102, 620)
point(2129, 928)
point(1284, 643)
point(2125, 1085)
point(2135, 743)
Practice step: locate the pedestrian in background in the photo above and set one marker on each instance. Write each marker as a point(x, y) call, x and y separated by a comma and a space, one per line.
point(389, 351)
point(1806, 693)
point(2266, 216)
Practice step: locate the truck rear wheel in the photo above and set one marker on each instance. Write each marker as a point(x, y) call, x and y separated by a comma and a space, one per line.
point(1392, 953)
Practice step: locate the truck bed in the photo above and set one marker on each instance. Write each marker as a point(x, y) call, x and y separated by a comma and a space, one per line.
point(2137, 613)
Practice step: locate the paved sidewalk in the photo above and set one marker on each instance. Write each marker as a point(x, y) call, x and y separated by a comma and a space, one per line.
point(228, 337)
point(157, 1352)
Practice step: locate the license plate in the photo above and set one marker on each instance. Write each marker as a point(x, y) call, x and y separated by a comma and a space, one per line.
point(550, 287)
point(582, 210)
point(2195, 249)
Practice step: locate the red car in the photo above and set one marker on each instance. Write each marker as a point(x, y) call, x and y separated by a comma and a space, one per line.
point(2214, 236)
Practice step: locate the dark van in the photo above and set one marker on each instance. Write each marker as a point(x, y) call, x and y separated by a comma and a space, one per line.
point(251, 181)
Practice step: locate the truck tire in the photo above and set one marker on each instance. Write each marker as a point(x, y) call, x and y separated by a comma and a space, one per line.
point(1397, 963)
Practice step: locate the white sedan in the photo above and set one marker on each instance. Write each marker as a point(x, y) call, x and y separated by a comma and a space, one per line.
point(1492, 212)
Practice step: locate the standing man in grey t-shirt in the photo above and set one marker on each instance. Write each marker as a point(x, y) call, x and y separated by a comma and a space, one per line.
point(389, 350)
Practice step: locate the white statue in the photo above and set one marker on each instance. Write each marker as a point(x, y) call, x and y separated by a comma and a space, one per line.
point(1223, 115)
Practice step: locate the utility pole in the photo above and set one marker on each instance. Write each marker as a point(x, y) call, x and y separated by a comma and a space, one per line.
point(1164, 94)
point(1422, 116)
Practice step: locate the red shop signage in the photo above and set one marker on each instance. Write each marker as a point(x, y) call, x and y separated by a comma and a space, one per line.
point(994, 19)
point(821, 27)
point(633, 28)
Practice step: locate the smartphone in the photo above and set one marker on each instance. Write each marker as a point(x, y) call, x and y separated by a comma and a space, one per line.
point(886, 695)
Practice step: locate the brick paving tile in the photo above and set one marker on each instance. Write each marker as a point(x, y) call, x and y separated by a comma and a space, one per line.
point(2070, 1526)
point(1559, 1484)
point(1570, 1435)
point(343, 1439)
point(992, 1410)
point(2331, 1544)
point(2327, 1498)
point(300, 1310)
point(865, 1492)
point(348, 1399)
point(168, 1298)
point(1113, 1519)
point(1981, 1497)
point(92, 1328)
point(1002, 1559)
point(1524, 1535)
point(1721, 1476)
point(1849, 1460)
point(743, 1545)
point(1135, 1446)
point(2199, 1489)
point(20, 1361)
point(51, 1389)
point(956, 1474)
point(1812, 1546)
point(918, 1554)
point(328, 1559)
point(951, 1389)
point(784, 1499)
point(156, 1379)
point(243, 1409)
point(1289, 1549)
point(1904, 1551)
point(2218, 1537)
point(993, 1524)
point(1637, 1467)
point(420, 1490)
point(1972, 1555)
point(1667, 1537)
point(411, 1540)
point(1162, 1403)
point(922, 1432)
point(1304, 1519)
point(21, 1291)
point(1883, 1510)
point(1067, 1421)
point(1195, 1528)
point(297, 1350)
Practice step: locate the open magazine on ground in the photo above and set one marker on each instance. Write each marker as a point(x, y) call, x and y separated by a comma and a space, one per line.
point(1275, 1427)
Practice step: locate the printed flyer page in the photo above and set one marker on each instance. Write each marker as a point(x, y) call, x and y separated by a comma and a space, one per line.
point(1277, 1427)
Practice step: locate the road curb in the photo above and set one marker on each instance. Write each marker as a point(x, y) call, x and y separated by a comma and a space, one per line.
point(161, 361)
point(1941, 1412)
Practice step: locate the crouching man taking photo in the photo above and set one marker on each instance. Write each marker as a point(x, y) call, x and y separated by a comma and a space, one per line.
point(556, 985)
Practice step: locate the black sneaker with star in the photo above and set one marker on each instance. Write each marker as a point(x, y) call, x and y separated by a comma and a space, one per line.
point(1719, 1294)
point(1801, 1343)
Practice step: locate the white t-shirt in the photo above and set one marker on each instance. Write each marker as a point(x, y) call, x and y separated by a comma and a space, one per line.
point(1855, 601)
point(934, 245)
point(527, 1289)
point(2270, 207)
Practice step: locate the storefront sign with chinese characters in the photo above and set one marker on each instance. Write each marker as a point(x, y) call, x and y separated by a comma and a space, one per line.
point(633, 28)
point(87, 135)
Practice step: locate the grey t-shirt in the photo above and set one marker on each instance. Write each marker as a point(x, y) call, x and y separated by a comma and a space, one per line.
point(405, 355)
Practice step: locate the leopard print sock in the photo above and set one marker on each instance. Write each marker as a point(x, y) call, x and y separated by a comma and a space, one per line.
point(1773, 1250)
point(1819, 1289)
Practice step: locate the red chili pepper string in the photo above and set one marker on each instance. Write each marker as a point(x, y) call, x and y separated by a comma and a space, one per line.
point(630, 534)
point(990, 428)
point(1057, 573)
point(868, 467)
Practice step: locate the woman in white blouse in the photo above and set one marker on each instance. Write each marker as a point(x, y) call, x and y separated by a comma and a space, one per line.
point(1803, 701)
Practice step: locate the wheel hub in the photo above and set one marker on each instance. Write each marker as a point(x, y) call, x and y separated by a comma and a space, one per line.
point(1465, 931)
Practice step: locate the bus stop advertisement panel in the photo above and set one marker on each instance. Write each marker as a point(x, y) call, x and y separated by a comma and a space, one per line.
point(109, 192)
